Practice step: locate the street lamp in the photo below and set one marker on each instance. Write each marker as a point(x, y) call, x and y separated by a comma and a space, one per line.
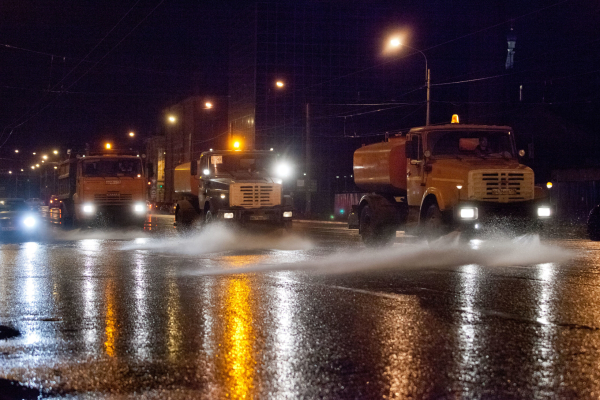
point(279, 84)
point(172, 119)
point(208, 105)
point(131, 134)
point(395, 42)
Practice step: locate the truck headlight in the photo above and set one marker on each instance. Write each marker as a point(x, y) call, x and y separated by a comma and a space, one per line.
point(228, 215)
point(283, 170)
point(543, 211)
point(29, 222)
point(139, 207)
point(88, 208)
point(287, 214)
point(468, 213)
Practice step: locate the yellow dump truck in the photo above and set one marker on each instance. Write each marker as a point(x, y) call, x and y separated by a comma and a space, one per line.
point(243, 186)
point(437, 178)
point(105, 188)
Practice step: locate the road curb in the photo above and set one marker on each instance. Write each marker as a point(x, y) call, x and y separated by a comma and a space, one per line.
point(309, 221)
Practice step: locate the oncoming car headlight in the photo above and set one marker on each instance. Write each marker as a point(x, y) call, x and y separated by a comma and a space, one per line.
point(29, 222)
point(287, 214)
point(468, 213)
point(139, 208)
point(543, 211)
point(88, 208)
point(228, 215)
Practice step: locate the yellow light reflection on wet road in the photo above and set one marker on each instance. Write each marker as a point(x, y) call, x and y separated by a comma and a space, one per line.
point(239, 338)
point(111, 320)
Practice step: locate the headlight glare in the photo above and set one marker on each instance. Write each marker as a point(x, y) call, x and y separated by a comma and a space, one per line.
point(287, 214)
point(283, 170)
point(138, 208)
point(228, 215)
point(468, 213)
point(543, 211)
point(29, 222)
point(88, 208)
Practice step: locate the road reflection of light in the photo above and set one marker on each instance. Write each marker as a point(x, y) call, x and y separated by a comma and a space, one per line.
point(31, 289)
point(239, 338)
point(544, 354)
point(244, 260)
point(91, 312)
point(174, 332)
point(141, 331)
point(286, 305)
point(469, 288)
point(110, 330)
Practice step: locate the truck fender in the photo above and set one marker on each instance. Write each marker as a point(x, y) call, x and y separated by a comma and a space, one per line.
point(437, 194)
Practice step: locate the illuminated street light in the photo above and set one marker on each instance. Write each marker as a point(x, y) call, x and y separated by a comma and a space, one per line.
point(172, 119)
point(55, 151)
point(16, 151)
point(37, 165)
point(107, 146)
point(395, 42)
point(10, 172)
point(132, 134)
point(33, 167)
point(34, 153)
point(279, 84)
point(45, 157)
point(208, 105)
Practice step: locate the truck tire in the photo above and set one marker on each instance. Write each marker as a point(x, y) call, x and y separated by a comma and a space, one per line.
point(433, 223)
point(374, 235)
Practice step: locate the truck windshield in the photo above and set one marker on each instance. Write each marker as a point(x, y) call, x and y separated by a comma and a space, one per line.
point(245, 163)
point(471, 143)
point(112, 167)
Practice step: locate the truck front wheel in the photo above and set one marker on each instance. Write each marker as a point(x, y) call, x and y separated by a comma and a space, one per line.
point(433, 223)
point(372, 234)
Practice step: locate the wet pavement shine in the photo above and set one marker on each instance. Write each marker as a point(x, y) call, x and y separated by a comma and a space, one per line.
point(156, 314)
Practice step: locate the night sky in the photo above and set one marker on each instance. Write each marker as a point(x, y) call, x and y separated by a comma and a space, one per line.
point(76, 72)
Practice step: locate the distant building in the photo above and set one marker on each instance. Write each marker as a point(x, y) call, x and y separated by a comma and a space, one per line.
point(191, 127)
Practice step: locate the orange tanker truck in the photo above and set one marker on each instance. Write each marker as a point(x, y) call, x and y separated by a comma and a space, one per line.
point(446, 177)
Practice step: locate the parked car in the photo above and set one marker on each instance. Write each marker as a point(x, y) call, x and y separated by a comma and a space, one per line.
point(17, 217)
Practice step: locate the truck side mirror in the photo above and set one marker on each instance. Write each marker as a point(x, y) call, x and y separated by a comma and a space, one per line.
point(150, 170)
point(193, 168)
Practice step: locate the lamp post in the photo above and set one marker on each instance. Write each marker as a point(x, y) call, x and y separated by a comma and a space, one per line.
point(396, 43)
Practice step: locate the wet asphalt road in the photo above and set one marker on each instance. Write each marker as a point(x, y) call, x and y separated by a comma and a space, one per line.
point(131, 314)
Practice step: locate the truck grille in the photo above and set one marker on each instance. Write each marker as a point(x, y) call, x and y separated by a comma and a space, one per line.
point(254, 195)
point(501, 186)
point(112, 198)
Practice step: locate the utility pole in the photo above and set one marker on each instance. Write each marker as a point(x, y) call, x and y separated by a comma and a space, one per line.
point(308, 160)
point(428, 101)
